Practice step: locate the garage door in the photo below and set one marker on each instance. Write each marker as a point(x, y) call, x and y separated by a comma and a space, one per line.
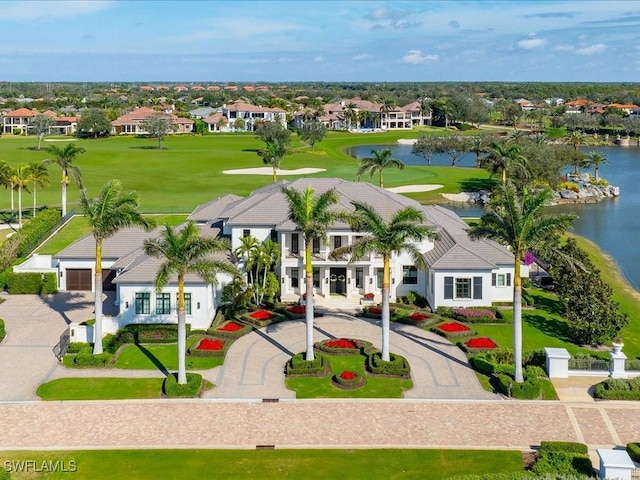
point(78, 279)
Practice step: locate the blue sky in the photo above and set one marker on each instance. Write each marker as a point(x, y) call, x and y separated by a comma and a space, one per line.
point(268, 41)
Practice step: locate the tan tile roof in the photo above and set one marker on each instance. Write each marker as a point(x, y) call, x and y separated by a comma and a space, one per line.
point(22, 112)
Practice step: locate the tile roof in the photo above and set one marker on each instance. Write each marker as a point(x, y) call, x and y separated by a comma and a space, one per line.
point(122, 243)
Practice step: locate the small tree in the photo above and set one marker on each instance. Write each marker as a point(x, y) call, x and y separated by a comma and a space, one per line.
point(39, 125)
point(158, 126)
point(39, 177)
point(377, 162)
point(94, 123)
point(238, 124)
point(426, 147)
point(313, 132)
point(64, 157)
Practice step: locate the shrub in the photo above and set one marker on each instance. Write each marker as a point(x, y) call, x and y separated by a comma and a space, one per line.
point(476, 315)
point(573, 187)
point(298, 365)
point(564, 463)
point(17, 131)
point(145, 333)
point(31, 283)
point(397, 366)
point(482, 365)
point(171, 388)
point(2, 330)
point(569, 447)
point(76, 347)
point(527, 390)
point(618, 389)
point(633, 449)
point(86, 358)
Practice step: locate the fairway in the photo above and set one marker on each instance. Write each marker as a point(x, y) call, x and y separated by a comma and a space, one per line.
point(188, 171)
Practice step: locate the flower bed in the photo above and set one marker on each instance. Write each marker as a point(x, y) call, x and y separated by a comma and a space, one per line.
point(262, 318)
point(479, 344)
point(230, 329)
point(342, 346)
point(230, 326)
point(420, 319)
point(261, 315)
point(209, 347)
point(453, 329)
point(375, 312)
point(210, 344)
point(476, 315)
point(295, 312)
point(348, 380)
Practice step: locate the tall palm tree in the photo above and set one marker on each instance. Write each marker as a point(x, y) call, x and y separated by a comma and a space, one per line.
point(478, 145)
point(107, 213)
point(20, 179)
point(64, 157)
point(517, 222)
point(5, 178)
point(313, 216)
point(377, 162)
point(595, 159)
point(39, 178)
point(272, 155)
point(387, 238)
point(184, 251)
point(503, 157)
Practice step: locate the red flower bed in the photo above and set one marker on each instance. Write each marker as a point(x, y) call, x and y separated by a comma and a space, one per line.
point(369, 296)
point(376, 310)
point(453, 327)
point(297, 309)
point(261, 315)
point(481, 342)
point(419, 316)
point(341, 343)
point(230, 327)
point(347, 375)
point(208, 344)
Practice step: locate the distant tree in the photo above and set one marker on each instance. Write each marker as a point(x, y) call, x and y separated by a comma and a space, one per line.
point(39, 125)
point(454, 146)
point(377, 162)
point(313, 132)
point(272, 155)
point(478, 112)
point(222, 122)
point(595, 159)
point(479, 145)
point(504, 157)
point(511, 113)
point(426, 146)
point(94, 123)
point(276, 139)
point(64, 157)
point(158, 126)
point(39, 177)
point(592, 314)
point(20, 179)
point(239, 124)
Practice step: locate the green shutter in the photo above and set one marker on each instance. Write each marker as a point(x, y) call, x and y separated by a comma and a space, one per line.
point(448, 288)
point(477, 288)
point(508, 279)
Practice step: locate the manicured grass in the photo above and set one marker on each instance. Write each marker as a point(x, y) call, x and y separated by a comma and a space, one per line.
point(159, 357)
point(100, 388)
point(276, 464)
point(376, 387)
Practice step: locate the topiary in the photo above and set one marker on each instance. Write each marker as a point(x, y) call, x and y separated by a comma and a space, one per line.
point(173, 389)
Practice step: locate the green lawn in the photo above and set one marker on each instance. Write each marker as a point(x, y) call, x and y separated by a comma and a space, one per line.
point(376, 387)
point(276, 464)
point(100, 388)
point(161, 357)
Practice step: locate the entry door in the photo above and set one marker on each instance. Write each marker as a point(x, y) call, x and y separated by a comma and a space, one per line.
point(338, 280)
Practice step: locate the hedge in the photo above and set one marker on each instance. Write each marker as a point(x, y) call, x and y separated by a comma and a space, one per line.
point(527, 390)
point(173, 389)
point(142, 333)
point(214, 331)
point(194, 352)
point(362, 347)
point(397, 366)
point(297, 365)
point(76, 347)
point(473, 314)
point(618, 389)
point(29, 283)
point(351, 384)
point(560, 463)
point(633, 449)
point(86, 358)
point(519, 476)
point(2, 330)
point(569, 447)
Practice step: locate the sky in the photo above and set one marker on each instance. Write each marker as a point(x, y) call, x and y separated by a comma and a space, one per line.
point(331, 41)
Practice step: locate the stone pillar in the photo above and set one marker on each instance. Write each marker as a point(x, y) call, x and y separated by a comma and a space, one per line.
point(616, 366)
point(557, 362)
point(615, 464)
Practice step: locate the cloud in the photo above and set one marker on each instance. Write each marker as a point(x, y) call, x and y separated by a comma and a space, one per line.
point(415, 57)
point(319, 59)
point(531, 43)
point(362, 56)
point(591, 49)
point(454, 24)
point(25, 12)
point(551, 15)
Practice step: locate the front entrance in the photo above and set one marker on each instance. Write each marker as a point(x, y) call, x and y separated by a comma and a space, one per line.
point(338, 281)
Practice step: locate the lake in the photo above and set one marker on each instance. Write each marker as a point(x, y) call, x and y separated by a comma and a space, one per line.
point(612, 223)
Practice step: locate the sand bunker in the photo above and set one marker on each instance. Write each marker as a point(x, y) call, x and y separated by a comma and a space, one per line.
point(269, 171)
point(60, 139)
point(414, 188)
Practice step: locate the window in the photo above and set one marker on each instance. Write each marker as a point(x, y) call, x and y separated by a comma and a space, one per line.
point(316, 246)
point(379, 277)
point(274, 236)
point(143, 303)
point(316, 277)
point(295, 243)
point(246, 233)
point(337, 242)
point(295, 278)
point(501, 280)
point(359, 277)
point(463, 288)
point(163, 303)
point(187, 303)
point(409, 275)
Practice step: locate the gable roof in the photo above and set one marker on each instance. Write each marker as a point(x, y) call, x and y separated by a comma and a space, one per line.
point(121, 243)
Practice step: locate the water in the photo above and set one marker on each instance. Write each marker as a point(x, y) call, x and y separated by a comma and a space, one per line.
point(613, 224)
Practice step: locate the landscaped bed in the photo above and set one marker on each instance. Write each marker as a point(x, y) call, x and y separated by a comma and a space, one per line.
point(453, 330)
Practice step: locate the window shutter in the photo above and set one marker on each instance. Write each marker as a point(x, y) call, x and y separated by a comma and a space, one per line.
point(448, 288)
point(493, 279)
point(477, 288)
point(508, 279)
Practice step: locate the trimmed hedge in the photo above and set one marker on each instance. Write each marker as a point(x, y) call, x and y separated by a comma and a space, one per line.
point(142, 333)
point(86, 358)
point(562, 464)
point(397, 366)
point(618, 389)
point(297, 365)
point(362, 347)
point(214, 331)
point(76, 347)
point(29, 283)
point(348, 384)
point(171, 388)
point(3, 333)
point(518, 476)
point(569, 447)
point(527, 390)
point(473, 315)
point(633, 449)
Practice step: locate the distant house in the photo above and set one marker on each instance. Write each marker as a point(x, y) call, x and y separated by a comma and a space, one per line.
point(18, 120)
point(250, 115)
point(130, 123)
point(202, 112)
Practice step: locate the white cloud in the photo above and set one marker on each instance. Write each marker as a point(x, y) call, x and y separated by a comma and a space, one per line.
point(591, 49)
point(319, 59)
point(415, 57)
point(564, 48)
point(362, 56)
point(50, 10)
point(531, 43)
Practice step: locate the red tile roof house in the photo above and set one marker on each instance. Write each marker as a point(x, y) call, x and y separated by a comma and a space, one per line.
point(18, 120)
point(129, 123)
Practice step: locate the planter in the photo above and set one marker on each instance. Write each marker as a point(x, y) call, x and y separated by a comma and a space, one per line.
point(343, 346)
point(348, 380)
point(617, 347)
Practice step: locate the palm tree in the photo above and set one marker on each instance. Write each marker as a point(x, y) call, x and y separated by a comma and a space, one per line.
point(39, 178)
point(107, 213)
point(576, 138)
point(478, 145)
point(386, 238)
point(272, 155)
point(596, 159)
point(517, 222)
point(5, 178)
point(184, 251)
point(379, 160)
point(64, 157)
point(504, 157)
point(516, 136)
point(313, 216)
point(20, 179)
